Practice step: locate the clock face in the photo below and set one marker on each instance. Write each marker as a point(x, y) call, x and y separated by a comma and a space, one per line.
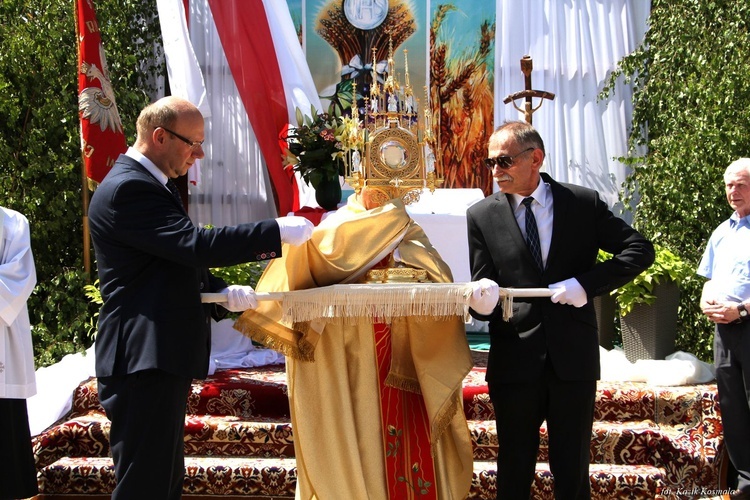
point(365, 14)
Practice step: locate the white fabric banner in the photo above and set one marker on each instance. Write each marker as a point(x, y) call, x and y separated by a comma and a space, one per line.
point(233, 186)
point(299, 86)
point(185, 78)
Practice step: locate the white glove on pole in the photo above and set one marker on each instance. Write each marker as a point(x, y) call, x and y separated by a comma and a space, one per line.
point(294, 229)
point(239, 298)
point(569, 292)
point(485, 296)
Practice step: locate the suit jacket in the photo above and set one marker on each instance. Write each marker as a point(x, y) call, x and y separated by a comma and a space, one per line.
point(153, 265)
point(582, 224)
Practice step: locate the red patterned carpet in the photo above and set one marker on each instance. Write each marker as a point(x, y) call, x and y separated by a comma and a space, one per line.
point(648, 442)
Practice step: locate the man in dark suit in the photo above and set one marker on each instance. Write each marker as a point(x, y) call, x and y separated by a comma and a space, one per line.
point(544, 361)
point(154, 333)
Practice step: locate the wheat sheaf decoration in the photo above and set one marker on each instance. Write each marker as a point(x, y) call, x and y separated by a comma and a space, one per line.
point(349, 41)
point(462, 102)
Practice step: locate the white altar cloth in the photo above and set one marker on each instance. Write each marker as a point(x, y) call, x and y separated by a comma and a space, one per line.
point(442, 216)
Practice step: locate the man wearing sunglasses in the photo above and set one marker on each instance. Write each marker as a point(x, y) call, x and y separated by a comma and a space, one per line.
point(544, 361)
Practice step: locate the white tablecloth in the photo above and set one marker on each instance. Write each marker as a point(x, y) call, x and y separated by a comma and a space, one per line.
point(442, 215)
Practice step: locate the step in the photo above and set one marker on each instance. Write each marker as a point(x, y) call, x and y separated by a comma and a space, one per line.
point(245, 476)
point(617, 443)
point(607, 482)
point(276, 478)
point(261, 392)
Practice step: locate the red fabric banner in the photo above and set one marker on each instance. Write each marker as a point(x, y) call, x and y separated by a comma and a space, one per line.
point(102, 137)
point(248, 45)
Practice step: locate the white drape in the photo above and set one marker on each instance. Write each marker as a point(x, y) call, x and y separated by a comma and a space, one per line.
point(234, 186)
point(574, 45)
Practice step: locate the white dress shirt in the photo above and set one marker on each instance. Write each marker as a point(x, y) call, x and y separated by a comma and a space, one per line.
point(542, 208)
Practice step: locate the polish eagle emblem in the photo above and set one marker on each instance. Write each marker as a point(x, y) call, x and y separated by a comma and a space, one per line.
point(97, 104)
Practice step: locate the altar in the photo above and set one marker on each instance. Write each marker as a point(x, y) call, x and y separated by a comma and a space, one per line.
point(442, 215)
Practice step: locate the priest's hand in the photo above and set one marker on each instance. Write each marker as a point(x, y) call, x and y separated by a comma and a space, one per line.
point(484, 296)
point(294, 229)
point(569, 292)
point(239, 298)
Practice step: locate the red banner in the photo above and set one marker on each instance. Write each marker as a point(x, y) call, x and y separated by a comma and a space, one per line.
point(248, 43)
point(102, 137)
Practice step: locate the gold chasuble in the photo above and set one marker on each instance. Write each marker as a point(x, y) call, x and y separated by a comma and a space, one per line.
point(376, 406)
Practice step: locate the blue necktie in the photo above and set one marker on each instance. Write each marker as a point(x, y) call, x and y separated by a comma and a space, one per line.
point(532, 233)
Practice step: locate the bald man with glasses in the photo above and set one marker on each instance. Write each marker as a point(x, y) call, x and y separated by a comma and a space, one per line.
point(154, 334)
point(544, 361)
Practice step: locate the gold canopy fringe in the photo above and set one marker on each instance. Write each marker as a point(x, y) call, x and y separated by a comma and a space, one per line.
point(381, 301)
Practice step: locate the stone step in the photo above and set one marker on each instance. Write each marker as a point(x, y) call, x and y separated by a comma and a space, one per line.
point(276, 478)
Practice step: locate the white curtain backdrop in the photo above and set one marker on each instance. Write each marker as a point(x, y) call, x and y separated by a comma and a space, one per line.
point(574, 45)
point(233, 186)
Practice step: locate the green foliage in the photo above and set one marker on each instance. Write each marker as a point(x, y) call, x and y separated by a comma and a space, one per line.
point(241, 274)
point(40, 158)
point(691, 116)
point(666, 267)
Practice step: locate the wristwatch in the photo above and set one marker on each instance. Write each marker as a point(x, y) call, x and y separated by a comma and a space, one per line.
point(743, 311)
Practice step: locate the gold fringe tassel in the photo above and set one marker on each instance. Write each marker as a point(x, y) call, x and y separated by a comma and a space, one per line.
point(443, 421)
point(403, 383)
point(383, 301)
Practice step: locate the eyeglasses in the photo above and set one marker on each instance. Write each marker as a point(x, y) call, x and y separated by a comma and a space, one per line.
point(193, 144)
point(504, 162)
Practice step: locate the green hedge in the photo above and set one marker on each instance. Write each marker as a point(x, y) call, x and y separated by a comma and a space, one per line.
point(40, 158)
point(692, 96)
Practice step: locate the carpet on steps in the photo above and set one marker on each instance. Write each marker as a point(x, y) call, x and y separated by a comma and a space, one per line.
point(243, 414)
point(276, 478)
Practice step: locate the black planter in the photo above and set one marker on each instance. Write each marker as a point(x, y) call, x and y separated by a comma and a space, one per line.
point(649, 330)
point(328, 193)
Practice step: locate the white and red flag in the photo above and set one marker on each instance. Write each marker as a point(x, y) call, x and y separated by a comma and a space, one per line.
point(269, 70)
point(102, 136)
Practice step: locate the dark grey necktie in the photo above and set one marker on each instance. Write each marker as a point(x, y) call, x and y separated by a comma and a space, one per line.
point(175, 192)
point(532, 233)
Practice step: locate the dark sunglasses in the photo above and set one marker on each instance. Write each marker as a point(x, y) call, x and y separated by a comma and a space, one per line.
point(193, 144)
point(504, 162)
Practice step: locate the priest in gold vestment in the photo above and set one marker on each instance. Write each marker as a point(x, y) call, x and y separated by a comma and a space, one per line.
point(376, 406)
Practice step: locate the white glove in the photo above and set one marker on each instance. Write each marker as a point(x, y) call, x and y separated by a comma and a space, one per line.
point(569, 292)
point(294, 229)
point(239, 298)
point(484, 296)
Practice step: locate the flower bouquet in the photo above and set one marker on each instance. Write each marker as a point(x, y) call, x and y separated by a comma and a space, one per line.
point(320, 148)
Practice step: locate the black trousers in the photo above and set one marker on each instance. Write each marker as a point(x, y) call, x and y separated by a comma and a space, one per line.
point(520, 409)
point(147, 436)
point(732, 362)
point(17, 469)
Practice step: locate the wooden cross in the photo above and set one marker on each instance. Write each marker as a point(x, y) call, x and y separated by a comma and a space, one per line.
point(528, 93)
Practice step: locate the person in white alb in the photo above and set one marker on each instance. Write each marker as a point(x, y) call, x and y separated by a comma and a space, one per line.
point(17, 377)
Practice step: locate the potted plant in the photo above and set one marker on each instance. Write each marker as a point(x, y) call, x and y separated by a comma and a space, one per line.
point(648, 307)
point(319, 148)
